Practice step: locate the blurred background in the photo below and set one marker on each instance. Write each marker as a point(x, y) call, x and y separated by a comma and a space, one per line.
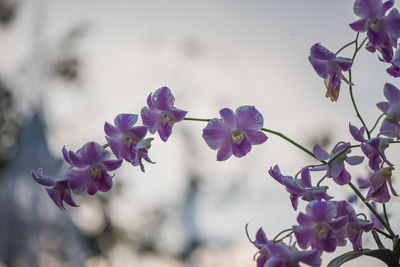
point(66, 67)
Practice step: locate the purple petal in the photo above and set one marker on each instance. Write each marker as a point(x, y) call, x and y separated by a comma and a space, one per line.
point(310, 257)
point(165, 132)
point(343, 178)
point(276, 174)
point(321, 210)
point(320, 52)
point(357, 134)
point(305, 220)
point(110, 130)
point(179, 114)
point(303, 236)
point(68, 199)
point(92, 153)
point(338, 223)
point(77, 180)
point(261, 237)
point(225, 150)
point(41, 179)
point(256, 137)
point(105, 183)
point(392, 23)
point(163, 98)
point(391, 93)
point(65, 155)
point(367, 8)
point(215, 134)
point(56, 196)
point(354, 160)
point(248, 118)
point(359, 25)
point(76, 161)
point(383, 106)
point(306, 177)
point(92, 187)
point(393, 71)
point(124, 122)
point(320, 66)
point(344, 63)
point(294, 199)
point(320, 153)
point(229, 118)
point(139, 131)
point(150, 119)
point(112, 164)
point(386, 6)
point(274, 262)
point(240, 150)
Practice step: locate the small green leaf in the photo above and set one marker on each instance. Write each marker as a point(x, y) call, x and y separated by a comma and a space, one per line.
point(384, 255)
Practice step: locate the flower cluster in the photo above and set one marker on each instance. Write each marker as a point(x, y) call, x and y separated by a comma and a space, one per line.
point(327, 222)
point(89, 166)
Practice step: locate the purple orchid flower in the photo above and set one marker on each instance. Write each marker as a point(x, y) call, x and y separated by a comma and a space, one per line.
point(300, 187)
point(373, 148)
point(355, 226)
point(394, 70)
point(58, 189)
point(329, 67)
point(90, 169)
point(319, 227)
point(160, 115)
point(127, 141)
point(382, 30)
point(390, 125)
point(336, 159)
point(276, 254)
point(235, 133)
point(378, 185)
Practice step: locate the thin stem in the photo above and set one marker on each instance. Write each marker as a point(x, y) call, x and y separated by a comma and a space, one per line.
point(196, 119)
point(377, 239)
point(281, 232)
point(290, 141)
point(355, 106)
point(320, 181)
point(376, 123)
point(106, 145)
point(382, 233)
point(385, 214)
point(346, 45)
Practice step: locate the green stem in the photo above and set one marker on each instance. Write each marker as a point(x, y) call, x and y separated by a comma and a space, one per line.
point(281, 135)
point(376, 123)
point(346, 45)
point(355, 106)
point(385, 214)
point(195, 119)
point(382, 233)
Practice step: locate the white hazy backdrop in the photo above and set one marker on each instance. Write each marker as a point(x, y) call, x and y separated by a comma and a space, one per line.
point(212, 54)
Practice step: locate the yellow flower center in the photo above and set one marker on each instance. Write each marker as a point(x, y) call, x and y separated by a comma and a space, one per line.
point(237, 137)
point(321, 231)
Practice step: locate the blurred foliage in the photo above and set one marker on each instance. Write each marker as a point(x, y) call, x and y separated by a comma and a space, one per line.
point(8, 11)
point(9, 124)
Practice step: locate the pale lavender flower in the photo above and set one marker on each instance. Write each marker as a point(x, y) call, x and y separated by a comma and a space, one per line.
point(336, 159)
point(300, 187)
point(329, 67)
point(90, 169)
point(373, 148)
point(394, 69)
point(378, 185)
point(319, 227)
point(160, 115)
point(382, 30)
point(235, 133)
point(355, 226)
point(390, 125)
point(57, 189)
point(278, 254)
point(127, 141)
